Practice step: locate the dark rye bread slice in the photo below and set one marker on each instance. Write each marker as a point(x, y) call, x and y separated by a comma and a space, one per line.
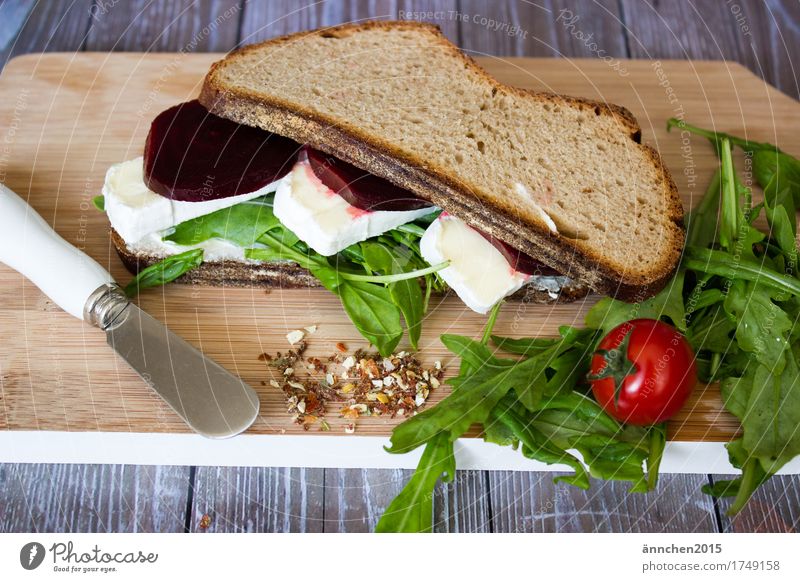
point(287, 275)
point(399, 100)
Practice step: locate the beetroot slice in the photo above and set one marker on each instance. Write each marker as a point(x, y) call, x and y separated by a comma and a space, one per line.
point(360, 188)
point(192, 155)
point(519, 260)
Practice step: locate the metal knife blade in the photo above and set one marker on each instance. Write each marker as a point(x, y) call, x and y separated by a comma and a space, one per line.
point(211, 400)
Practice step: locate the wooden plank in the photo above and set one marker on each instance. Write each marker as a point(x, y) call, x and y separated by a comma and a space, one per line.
point(531, 502)
point(543, 28)
point(161, 26)
point(58, 25)
point(762, 35)
point(355, 499)
point(92, 498)
point(262, 20)
point(774, 507)
point(101, 121)
point(13, 14)
point(462, 506)
point(256, 499)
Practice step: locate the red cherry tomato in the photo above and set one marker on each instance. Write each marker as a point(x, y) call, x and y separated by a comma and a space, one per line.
point(642, 372)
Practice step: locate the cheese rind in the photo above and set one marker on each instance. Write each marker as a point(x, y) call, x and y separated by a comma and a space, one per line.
point(478, 272)
point(325, 221)
point(135, 211)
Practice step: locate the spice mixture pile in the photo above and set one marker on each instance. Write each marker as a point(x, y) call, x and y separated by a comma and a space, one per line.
point(354, 385)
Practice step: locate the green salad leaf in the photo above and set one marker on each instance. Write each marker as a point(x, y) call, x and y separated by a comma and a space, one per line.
point(411, 510)
point(378, 280)
point(736, 297)
point(165, 271)
point(743, 324)
point(535, 403)
point(241, 224)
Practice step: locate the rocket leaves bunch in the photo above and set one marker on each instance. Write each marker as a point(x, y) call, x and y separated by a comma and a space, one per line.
point(736, 296)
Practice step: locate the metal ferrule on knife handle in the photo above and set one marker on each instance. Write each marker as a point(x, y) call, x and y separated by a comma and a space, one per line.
point(106, 306)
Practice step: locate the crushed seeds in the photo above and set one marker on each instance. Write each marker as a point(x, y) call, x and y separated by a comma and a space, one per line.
point(357, 385)
point(295, 336)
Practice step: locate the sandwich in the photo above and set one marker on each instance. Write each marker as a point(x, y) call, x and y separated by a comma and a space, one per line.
point(378, 161)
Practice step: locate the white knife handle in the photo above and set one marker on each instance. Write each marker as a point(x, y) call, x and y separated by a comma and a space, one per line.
point(30, 246)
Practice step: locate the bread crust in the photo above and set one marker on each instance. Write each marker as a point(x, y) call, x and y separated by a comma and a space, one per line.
point(288, 275)
point(567, 255)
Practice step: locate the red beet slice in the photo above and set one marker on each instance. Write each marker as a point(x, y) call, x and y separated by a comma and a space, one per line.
point(360, 188)
point(192, 155)
point(519, 260)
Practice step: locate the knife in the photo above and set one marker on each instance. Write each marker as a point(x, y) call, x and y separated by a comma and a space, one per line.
point(211, 400)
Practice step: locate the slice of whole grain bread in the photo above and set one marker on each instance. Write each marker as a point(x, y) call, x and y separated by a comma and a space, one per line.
point(287, 275)
point(563, 179)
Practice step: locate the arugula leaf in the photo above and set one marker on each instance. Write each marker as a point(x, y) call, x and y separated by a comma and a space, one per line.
point(779, 205)
point(717, 136)
point(370, 305)
point(771, 164)
point(528, 346)
point(762, 327)
point(608, 313)
point(731, 215)
point(475, 354)
point(372, 311)
point(574, 421)
point(743, 487)
point(743, 312)
point(768, 406)
point(406, 294)
point(536, 445)
point(701, 221)
point(471, 402)
point(241, 224)
point(726, 265)
point(410, 511)
point(164, 271)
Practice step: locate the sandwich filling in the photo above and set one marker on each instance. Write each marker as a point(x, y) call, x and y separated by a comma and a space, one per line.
point(209, 183)
point(479, 271)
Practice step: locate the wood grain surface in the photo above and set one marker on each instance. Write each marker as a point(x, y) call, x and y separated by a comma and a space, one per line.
point(61, 375)
point(698, 29)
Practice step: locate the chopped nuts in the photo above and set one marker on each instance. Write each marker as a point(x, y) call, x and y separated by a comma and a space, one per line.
point(373, 385)
point(295, 336)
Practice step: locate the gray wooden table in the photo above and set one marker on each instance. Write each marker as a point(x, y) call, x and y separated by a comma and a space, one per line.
point(765, 36)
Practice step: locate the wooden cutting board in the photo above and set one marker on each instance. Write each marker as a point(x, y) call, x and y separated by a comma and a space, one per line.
point(64, 118)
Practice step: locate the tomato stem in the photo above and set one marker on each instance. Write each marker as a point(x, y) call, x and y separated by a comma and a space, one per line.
point(617, 365)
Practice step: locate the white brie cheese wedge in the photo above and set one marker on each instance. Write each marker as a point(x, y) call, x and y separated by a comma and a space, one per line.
point(135, 211)
point(325, 221)
point(478, 272)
